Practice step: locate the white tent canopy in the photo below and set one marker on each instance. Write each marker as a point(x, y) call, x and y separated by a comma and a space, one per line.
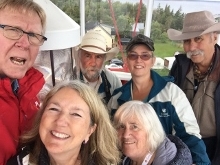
point(61, 31)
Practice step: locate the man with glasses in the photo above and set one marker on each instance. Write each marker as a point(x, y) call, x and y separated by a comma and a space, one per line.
point(22, 25)
point(197, 73)
point(167, 99)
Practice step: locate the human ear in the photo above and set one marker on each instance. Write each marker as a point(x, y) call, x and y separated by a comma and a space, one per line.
point(91, 130)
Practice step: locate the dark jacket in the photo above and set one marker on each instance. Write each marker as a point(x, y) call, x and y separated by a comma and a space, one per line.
point(23, 156)
point(179, 70)
point(172, 151)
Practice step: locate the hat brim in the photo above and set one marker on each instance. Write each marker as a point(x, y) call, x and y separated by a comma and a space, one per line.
point(176, 35)
point(109, 54)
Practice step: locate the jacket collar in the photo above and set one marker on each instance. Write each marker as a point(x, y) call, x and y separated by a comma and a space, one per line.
point(158, 84)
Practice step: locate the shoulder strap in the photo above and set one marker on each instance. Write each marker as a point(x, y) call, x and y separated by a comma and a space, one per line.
point(107, 87)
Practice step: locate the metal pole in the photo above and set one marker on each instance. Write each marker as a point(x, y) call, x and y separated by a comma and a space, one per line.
point(82, 17)
point(148, 19)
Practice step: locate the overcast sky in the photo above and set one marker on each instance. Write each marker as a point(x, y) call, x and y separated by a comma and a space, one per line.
point(187, 6)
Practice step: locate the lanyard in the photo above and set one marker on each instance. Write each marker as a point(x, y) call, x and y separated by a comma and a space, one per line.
point(128, 161)
point(147, 158)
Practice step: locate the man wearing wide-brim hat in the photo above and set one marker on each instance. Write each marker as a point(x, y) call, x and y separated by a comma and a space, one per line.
point(197, 73)
point(91, 56)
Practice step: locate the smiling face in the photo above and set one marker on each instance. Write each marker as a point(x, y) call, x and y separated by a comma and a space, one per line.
point(17, 56)
point(200, 49)
point(139, 67)
point(133, 139)
point(65, 123)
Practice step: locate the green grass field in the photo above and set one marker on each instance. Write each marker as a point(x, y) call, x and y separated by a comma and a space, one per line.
point(162, 72)
point(166, 49)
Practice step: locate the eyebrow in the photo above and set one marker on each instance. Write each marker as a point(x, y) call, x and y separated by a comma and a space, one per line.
point(29, 31)
point(53, 103)
point(133, 123)
point(74, 107)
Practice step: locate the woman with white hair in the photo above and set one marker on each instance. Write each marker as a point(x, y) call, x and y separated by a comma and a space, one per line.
point(143, 140)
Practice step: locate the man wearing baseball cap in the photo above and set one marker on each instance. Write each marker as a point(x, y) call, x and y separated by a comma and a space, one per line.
point(91, 56)
point(197, 73)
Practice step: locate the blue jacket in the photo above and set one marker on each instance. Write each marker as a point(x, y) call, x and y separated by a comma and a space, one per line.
point(173, 110)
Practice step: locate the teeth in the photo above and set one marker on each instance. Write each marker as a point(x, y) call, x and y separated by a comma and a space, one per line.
point(18, 61)
point(139, 67)
point(60, 135)
point(128, 142)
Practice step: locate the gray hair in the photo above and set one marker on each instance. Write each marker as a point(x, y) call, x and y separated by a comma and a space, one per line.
point(145, 115)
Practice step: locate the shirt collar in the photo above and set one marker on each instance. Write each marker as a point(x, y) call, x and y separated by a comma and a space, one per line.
point(15, 86)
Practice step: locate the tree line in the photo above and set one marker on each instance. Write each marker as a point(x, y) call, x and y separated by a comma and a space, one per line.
point(125, 16)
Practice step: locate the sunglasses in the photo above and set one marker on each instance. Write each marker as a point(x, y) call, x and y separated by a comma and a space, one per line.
point(144, 57)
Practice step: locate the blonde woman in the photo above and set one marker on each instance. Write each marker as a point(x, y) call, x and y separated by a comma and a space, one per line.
point(72, 128)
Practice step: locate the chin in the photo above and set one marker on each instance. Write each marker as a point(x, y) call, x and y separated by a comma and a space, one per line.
point(19, 75)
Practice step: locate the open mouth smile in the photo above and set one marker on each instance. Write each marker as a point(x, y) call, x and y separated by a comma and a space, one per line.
point(60, 135)
point(17, 61)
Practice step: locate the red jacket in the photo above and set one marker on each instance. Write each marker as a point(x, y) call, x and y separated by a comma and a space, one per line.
point(17, 112)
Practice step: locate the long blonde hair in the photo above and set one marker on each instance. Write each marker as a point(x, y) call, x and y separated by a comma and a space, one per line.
point(102, 145)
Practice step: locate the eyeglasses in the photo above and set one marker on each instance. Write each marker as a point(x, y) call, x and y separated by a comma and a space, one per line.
point(144, 57)
point(14, 33)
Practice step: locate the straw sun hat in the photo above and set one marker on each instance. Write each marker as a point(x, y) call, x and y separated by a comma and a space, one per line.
point(195, 24)
point(93, 41)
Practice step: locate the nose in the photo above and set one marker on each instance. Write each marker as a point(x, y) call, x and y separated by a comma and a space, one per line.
point(126, 133)
point(62, 120)
point(139, 58)
point(23, 42)
point(192, 45)
point(93, 60)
